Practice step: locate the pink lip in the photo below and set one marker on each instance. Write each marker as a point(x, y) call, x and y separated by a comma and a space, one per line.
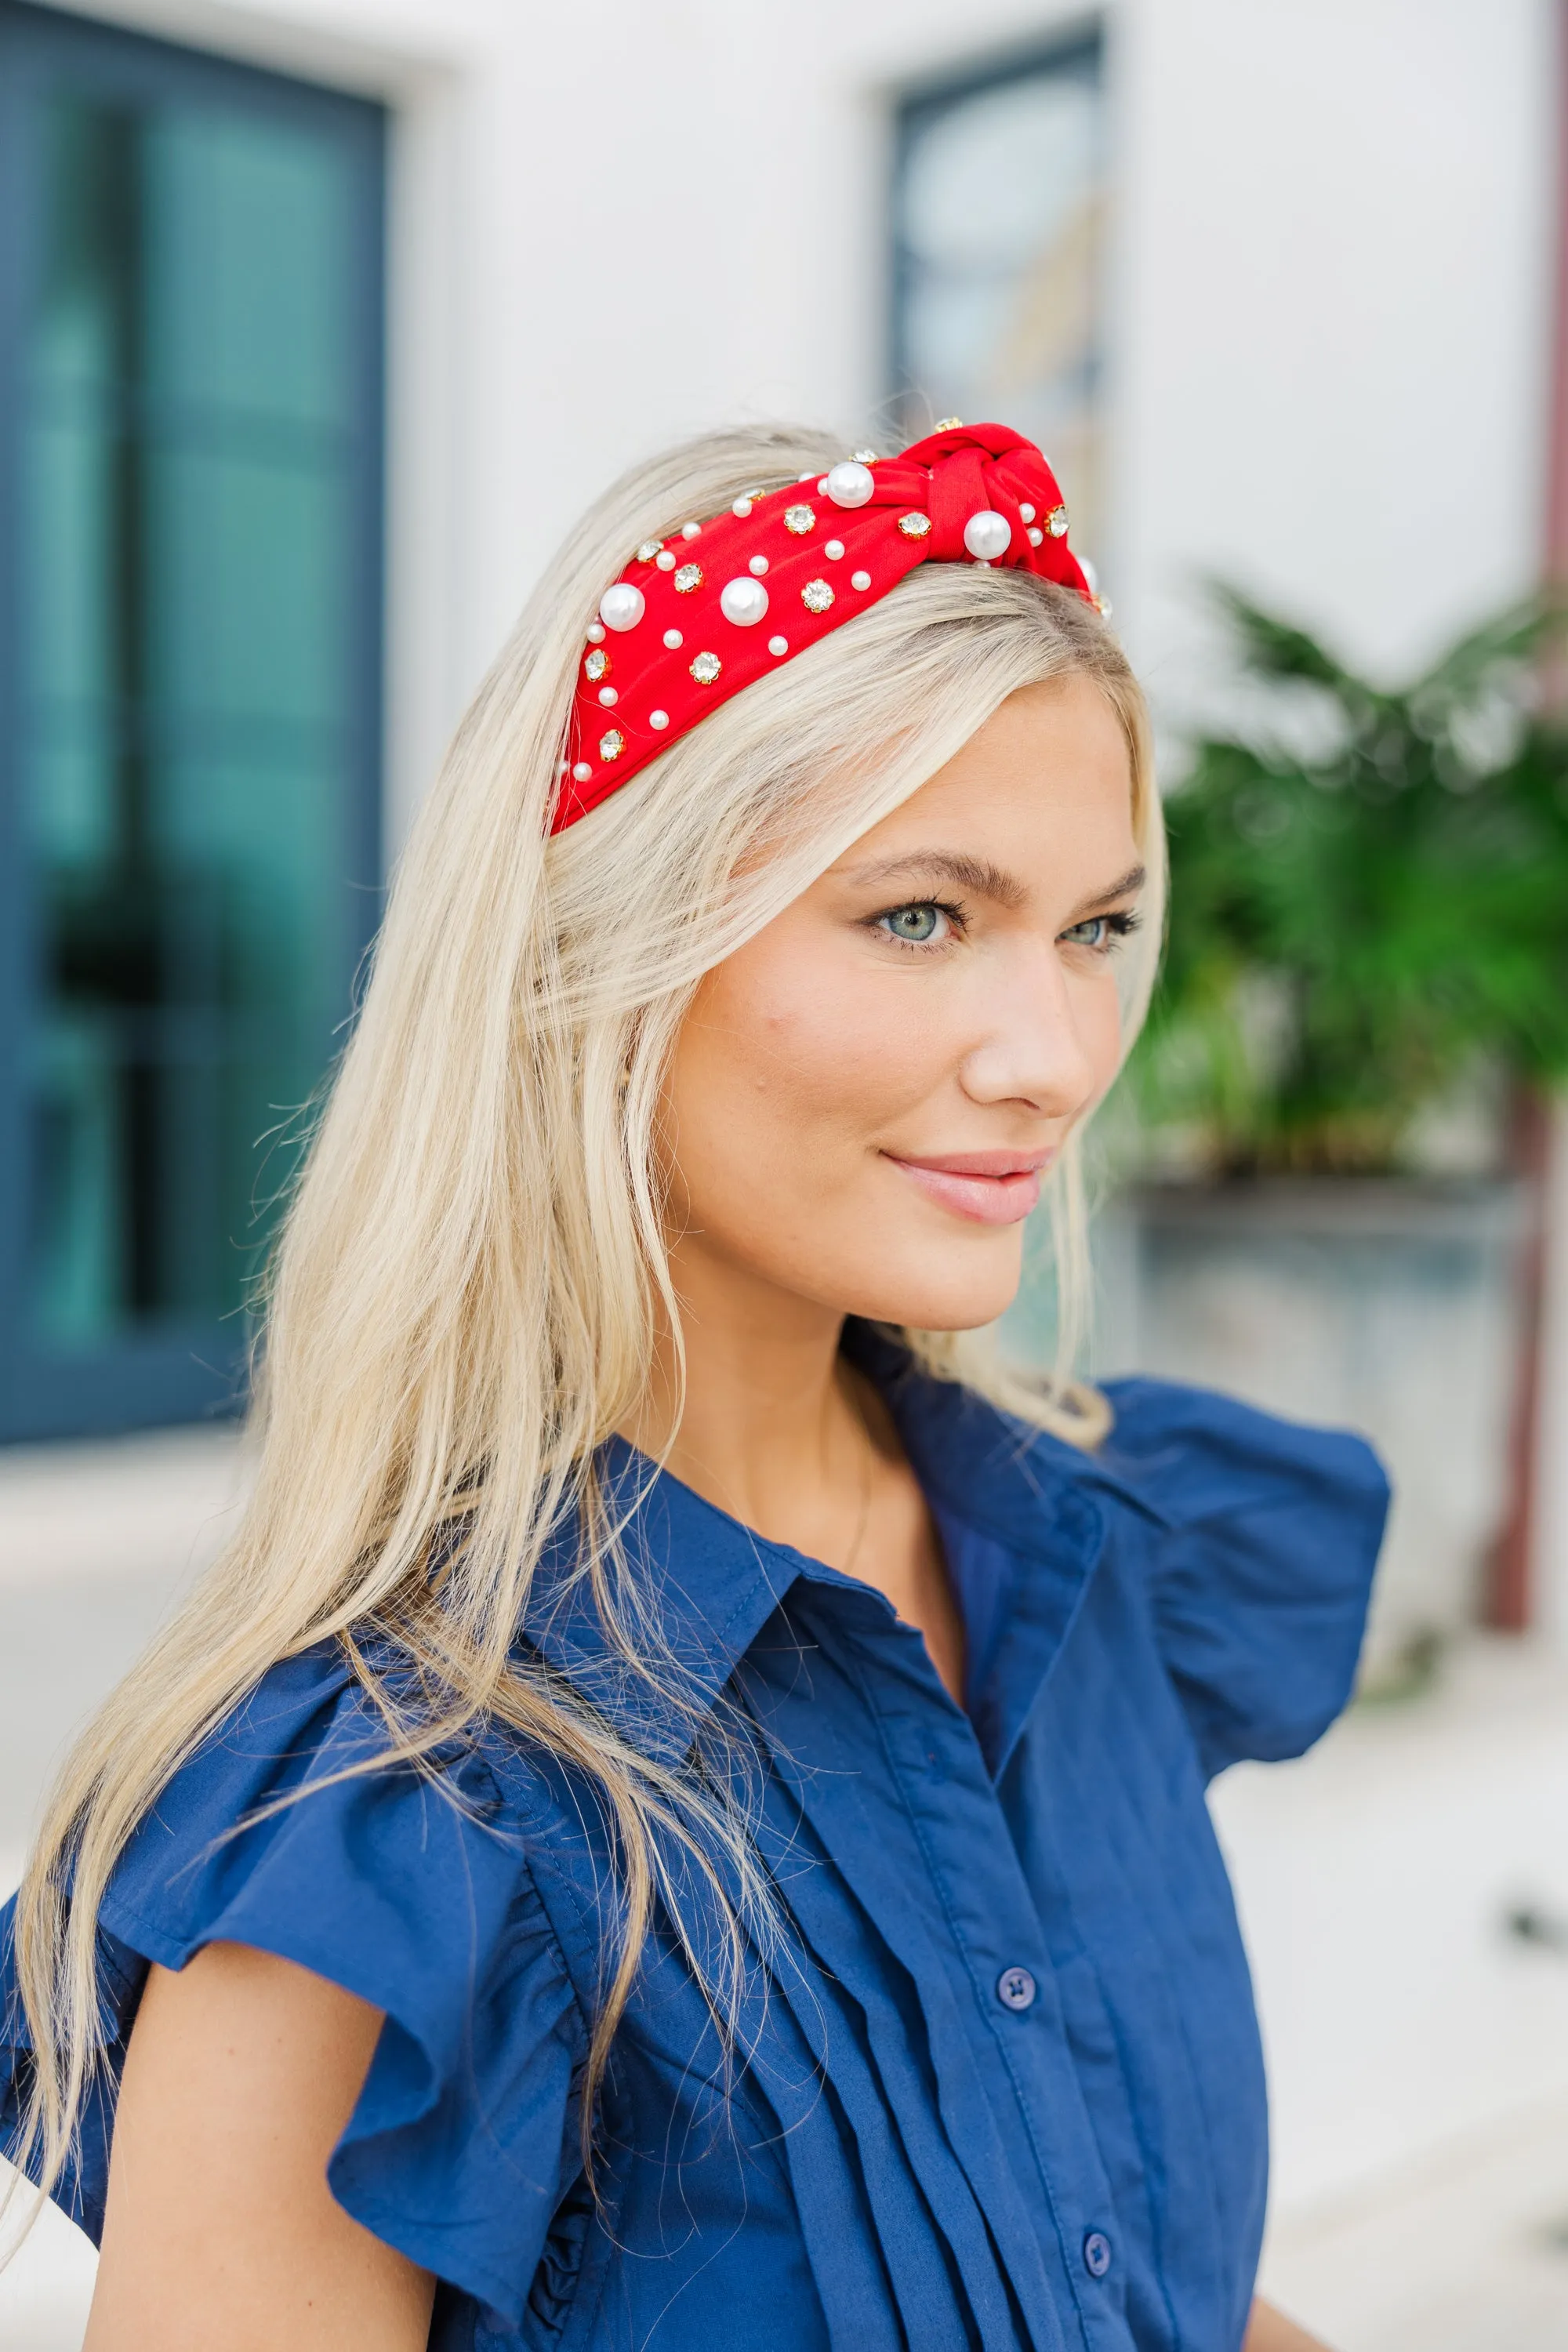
point(993, 1188)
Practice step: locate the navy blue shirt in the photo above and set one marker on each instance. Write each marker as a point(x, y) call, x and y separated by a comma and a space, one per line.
point(996, 2082)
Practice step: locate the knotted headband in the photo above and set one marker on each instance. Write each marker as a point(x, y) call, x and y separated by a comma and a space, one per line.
point(695, 617)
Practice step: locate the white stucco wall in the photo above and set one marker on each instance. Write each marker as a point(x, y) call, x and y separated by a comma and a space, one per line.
point(611, 225)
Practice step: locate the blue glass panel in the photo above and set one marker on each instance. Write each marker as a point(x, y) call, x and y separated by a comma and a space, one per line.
point(194, 358)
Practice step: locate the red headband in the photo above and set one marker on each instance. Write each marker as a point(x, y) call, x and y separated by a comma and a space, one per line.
point(691, 621)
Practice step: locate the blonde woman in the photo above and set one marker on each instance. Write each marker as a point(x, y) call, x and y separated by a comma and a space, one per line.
point(678, 1821)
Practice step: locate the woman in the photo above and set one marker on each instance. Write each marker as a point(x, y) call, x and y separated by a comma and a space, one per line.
point(679, 1819)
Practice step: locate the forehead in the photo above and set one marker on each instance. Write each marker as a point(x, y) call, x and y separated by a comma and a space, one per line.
point(1048, 777)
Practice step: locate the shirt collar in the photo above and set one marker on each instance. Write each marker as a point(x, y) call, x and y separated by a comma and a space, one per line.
point(712, 1583)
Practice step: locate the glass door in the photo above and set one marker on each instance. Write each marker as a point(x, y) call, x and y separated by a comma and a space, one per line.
point(190, 440)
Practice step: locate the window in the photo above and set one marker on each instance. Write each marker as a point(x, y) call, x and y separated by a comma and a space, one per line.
point(998, 222)
point(190, 592)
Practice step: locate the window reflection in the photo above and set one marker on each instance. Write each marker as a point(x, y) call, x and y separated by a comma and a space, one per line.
point(999, 215)
point(186, 677)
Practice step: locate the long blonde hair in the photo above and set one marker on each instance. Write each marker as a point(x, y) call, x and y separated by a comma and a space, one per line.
point(461, 1306)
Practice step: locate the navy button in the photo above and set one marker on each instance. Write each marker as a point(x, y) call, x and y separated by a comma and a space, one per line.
point(1097, 2253)
point(1015, 1989)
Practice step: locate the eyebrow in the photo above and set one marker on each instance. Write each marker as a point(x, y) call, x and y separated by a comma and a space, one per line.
point(1133, 879)
point(978, 875)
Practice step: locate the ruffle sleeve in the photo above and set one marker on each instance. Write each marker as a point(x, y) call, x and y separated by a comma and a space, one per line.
point(464, 2133)
point(1264, 1539)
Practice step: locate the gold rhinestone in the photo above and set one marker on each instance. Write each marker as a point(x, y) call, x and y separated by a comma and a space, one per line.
point(800, 520)
point(914, 526)
point(689, 577)
point(948, 424)
point(817, 595)
point(597, 666)
point(648, 551)
point(1057, 522)
point(706, 669)
point(612, 745)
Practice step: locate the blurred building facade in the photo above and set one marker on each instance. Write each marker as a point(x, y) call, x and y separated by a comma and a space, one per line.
point(321, 319)
point(320, 322)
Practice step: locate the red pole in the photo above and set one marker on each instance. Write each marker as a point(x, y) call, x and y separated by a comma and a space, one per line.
point(1509, 1577)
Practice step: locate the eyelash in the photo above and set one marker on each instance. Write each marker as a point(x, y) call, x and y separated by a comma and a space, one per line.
point(1119, 927)
point(952, 913)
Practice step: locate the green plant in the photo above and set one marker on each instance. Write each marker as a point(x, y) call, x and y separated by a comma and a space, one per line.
point(1369, 899)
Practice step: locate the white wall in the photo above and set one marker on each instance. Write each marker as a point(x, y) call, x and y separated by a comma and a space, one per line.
point(619, 222)
point(1328, 304)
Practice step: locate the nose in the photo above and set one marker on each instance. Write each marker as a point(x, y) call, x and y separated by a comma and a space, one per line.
point(1032, 1049)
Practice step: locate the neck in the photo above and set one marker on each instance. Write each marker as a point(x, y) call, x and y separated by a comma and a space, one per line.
point(770, 1428)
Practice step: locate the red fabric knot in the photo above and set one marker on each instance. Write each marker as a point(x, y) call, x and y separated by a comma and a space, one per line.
point(951, 477)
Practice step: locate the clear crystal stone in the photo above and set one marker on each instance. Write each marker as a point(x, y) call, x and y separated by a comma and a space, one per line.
point(648, 551)
point(800, 520)
point(689, 577)
point(1057, 522)
point(706, 669)
point(612, 745)
point(816, 596)
point(597, 666)
point(914, 526)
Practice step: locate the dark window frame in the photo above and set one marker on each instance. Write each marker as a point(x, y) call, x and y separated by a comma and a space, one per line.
point(1082, 42)
point(198, 1371)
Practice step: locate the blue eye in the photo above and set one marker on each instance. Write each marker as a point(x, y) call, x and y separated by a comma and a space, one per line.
point(1101, 933)
point(918, 923)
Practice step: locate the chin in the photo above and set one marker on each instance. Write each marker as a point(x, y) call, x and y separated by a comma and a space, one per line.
point(924, 1296)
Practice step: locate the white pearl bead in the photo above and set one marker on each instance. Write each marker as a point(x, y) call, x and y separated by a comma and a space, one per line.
point(1036, 535)
point(622, 607)
point(822, 487)
point(665, 560)
point(691, 531)
point(848, 485)
point(803, 477)
point(834, 550)
point(759, 564)
point(607, 696)
point(743, 507)
point(659, 719)
point(744, 601)
point(673, 639)
point(778, 646)
point(859, 580)
point(1028, 511)
point(987, 535)
point(582, 772)
point(596, 632)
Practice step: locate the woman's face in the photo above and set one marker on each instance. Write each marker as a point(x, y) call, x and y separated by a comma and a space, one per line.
point(866, 1096)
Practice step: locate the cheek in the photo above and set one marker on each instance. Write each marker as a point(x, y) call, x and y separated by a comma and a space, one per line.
point(1099, 1029)
point(818, 1050)
point(788, 1069)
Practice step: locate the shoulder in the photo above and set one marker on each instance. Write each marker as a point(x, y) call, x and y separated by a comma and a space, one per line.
point(294, 1827)
point(1263, 1536)
point(1190, 1453)
point(433, 1894)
